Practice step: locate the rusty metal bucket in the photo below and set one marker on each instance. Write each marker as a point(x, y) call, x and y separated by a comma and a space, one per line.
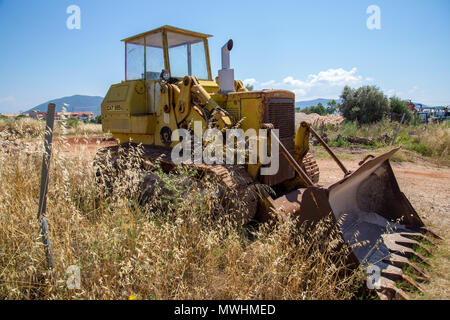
point(375, 219)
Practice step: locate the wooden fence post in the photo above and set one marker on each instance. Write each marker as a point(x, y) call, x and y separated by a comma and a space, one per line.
point(398, 129)
point(42, 211)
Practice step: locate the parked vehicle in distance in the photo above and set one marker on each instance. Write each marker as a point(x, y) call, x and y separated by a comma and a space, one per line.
point(433, 114)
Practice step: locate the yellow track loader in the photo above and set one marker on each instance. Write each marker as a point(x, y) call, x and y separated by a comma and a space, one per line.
point(169, 86)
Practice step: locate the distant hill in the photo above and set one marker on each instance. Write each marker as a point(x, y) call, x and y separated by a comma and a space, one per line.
point(76, 103)
point(310, 103)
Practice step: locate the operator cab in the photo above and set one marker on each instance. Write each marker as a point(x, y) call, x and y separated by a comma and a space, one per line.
point(177, 51)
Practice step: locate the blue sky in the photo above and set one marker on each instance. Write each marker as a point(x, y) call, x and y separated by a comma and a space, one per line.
point(311, 47)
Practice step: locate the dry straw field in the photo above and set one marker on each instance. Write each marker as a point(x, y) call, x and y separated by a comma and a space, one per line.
point(181, 245)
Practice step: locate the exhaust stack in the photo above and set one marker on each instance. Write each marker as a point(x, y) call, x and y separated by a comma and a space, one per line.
point(226, 75)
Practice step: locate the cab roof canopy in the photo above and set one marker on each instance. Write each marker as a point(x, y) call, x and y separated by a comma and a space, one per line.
point(168, 38)
point(165, 29)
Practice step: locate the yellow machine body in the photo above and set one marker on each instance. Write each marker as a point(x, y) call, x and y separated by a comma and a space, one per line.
point(147, 110)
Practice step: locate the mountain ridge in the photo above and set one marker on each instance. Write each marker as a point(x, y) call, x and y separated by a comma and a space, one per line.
point(75, 103)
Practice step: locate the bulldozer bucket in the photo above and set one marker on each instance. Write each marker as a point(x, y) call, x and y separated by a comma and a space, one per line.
point(375, 219)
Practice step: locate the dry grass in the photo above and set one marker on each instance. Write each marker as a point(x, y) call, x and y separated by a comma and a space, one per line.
point(431, 141)
point(180, 245)
point(439, 270)
point(31, 128)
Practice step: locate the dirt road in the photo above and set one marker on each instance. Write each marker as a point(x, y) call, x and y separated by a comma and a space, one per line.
point(426, 186)
point(428, 189)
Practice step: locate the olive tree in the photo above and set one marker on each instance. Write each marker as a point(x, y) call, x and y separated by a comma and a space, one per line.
point(367, 104)
point(400, 106)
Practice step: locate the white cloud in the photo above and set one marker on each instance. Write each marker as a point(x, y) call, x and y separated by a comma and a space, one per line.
point(294, 83)
point(324, 84)
point(250, 81)
point(334, 77)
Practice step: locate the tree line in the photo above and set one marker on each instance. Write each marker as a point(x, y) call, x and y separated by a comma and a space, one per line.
point(367, 104)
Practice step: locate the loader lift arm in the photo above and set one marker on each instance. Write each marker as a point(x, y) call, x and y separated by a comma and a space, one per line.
point(194, 103)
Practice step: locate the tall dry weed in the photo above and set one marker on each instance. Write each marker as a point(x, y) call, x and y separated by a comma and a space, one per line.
point(28, 128)
point(172, 246)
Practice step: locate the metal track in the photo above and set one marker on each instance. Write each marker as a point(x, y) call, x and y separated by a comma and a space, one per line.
point(239, 188)
point(311, 167)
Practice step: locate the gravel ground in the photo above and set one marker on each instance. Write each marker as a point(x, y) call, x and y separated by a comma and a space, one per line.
point(425, 186)
point(428, 189)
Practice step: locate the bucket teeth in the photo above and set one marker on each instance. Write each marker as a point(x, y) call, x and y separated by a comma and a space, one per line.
point(388, 290)
point(410, 253)
point(401, 262)
point(411, 243)
point(425, 230)
point(419, 237)
point(403, 246)
point(396, 274)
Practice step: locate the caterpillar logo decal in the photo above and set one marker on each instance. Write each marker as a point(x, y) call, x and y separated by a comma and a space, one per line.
point(114, 108)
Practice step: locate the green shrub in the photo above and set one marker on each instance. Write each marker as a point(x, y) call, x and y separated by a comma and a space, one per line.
point(350, 128)
point(431, 140)
point(97, 120)
point(403, 140)
point(366, 105)
point(321, 109)
point(339, 142)
point(400, 106)
point(421, 148)
point(72, 122)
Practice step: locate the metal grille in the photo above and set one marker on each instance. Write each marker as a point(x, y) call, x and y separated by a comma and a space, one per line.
point(282, 116)
point(281, 113)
